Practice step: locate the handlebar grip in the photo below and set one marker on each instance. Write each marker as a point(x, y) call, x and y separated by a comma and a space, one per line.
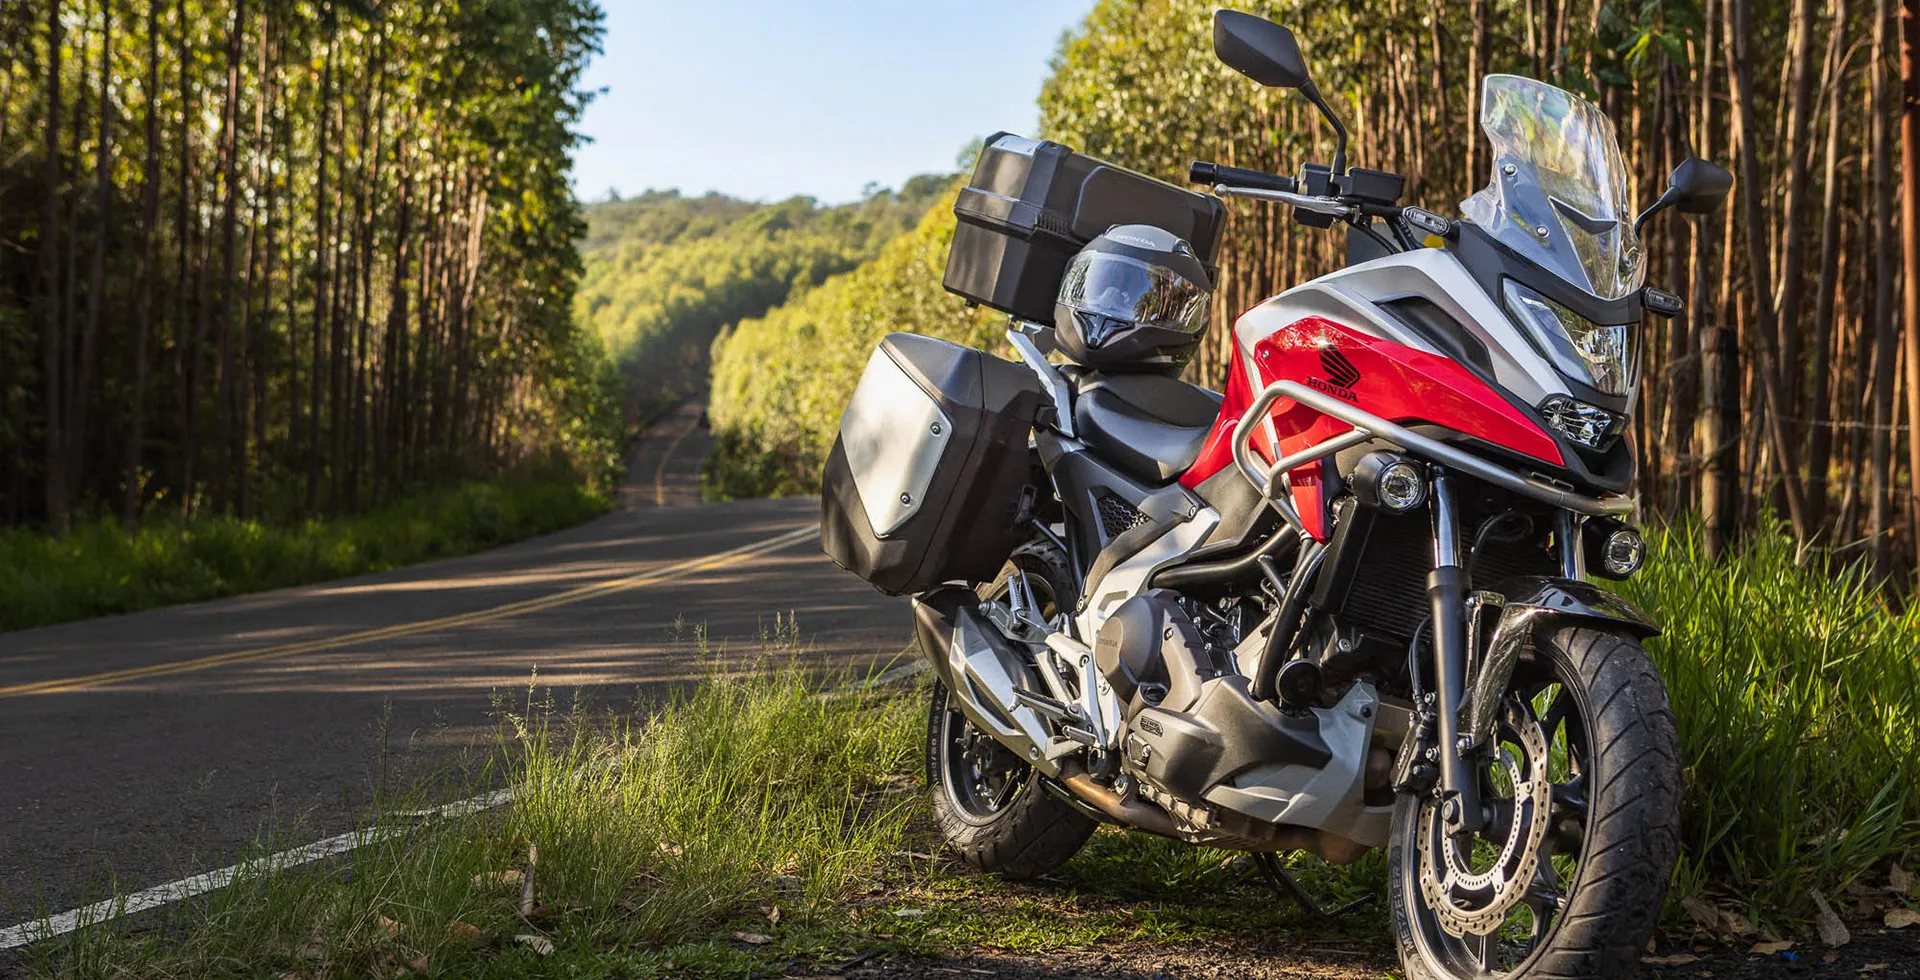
point(1202, 172)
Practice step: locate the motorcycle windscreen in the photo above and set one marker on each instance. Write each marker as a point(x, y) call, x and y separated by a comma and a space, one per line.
point(1558, 194)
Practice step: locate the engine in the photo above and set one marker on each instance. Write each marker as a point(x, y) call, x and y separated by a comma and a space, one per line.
point(1229, 768)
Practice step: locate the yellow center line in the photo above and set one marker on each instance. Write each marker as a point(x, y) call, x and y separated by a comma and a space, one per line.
point(562, 598)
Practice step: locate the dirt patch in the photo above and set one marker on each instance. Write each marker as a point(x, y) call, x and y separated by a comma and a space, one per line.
point(1146, 961)
point(1874, 953)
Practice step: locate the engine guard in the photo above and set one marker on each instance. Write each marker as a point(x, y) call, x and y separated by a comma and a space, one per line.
point(1529, 605)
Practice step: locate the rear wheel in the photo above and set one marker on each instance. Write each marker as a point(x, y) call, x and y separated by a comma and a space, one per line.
point(1584, 788)
point(988, 803)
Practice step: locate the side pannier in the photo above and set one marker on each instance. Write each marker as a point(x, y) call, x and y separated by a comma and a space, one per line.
point(929, 477)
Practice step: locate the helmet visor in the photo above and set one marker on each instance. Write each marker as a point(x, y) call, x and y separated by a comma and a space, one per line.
point(1124, 290)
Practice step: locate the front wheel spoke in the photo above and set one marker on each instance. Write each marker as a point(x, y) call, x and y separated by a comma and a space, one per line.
point(1569, 801)
point(1486, 945)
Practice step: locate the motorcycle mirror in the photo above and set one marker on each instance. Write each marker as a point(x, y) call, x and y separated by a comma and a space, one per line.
point(1267, 53)
point(1259, 49)
point(1696, 187)
point(1700, 186)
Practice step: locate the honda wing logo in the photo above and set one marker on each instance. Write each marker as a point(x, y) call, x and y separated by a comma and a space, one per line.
point(1341, 374)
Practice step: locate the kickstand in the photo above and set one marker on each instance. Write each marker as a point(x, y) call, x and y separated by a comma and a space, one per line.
point(1282, 882)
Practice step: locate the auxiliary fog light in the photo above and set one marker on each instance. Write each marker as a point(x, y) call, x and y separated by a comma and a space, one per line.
point(1621, 553)
point(1390, 482)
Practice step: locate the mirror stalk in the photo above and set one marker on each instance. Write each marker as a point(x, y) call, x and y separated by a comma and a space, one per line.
point(1312, 92)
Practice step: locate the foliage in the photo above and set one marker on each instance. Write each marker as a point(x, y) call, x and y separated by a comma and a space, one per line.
point(272, 258)
point(1798, 697)
point(101, 568)
point(747, 792)
point(779, 382)
point(664, 273)
point(662, 840)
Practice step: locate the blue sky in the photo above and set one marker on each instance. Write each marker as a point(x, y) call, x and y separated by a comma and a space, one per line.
point(765, 99)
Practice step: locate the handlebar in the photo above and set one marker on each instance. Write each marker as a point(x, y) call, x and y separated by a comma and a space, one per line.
point(1202, 172)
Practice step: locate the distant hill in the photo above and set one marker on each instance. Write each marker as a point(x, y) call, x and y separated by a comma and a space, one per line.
point(664, 273)
point(780, 381)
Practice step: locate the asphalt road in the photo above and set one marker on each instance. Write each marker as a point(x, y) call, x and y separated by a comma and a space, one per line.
point(139, 749)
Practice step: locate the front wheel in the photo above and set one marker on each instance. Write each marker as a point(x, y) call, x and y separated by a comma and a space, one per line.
point(1583, 785)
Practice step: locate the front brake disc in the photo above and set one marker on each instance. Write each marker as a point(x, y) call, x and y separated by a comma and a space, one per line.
point(1466, 902)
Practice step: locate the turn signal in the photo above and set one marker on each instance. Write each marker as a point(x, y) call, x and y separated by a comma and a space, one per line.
point(1389, 482)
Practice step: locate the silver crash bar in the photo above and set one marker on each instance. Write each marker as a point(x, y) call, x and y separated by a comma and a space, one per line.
point(1368, 426)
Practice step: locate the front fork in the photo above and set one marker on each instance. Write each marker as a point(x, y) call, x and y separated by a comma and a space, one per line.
point(1461, 811)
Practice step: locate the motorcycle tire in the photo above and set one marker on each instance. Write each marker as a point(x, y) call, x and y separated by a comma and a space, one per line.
point(1030, 831)
point(1629, 801)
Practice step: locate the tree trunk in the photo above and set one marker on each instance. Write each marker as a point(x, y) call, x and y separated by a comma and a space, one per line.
point(229, 261)
point(1819, 412)
point(1882, 316)
point(52, 343)
point(322, 257)
point(1751, 182)
point(143, 290)
point(1792, 217)
point(1910, 242)
point(83, 393)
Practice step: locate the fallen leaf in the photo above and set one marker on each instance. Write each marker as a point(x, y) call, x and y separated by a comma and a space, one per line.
point(1900, 880)
point(465, 930)
point(388, 926)
point(773, 915)
point(753, 938)
point(1832, 931)
point(1768, 949)
point(540, 944)
point(1902, 918)
point(315, 949)
point(1678, 959)
point(1716, 921)
point(419, 965)
point(908, 913)
point(1874, 967)
point(498, 879)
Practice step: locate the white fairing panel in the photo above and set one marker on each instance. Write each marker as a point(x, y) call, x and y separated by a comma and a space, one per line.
point(1351, 297)
point(894, 434)
point(1129, 578)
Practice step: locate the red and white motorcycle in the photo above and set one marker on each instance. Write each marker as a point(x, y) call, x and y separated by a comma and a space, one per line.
point(1342, 606)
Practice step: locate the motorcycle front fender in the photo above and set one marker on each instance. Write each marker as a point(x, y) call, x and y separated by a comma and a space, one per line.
point(1530, 605)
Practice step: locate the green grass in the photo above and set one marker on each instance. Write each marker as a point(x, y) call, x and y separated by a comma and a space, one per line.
point(750, 805)
point(659, 842)
point(1797, 691)
point(100, 568)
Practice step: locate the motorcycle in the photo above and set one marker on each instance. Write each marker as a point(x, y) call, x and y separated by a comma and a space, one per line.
point(1343, 605)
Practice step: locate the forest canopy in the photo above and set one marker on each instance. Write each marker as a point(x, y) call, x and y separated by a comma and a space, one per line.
point(664, 273)
point(1776, 396)
point(282, 257)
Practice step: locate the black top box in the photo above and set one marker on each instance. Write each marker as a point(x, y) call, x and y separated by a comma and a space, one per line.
point(1032, 205)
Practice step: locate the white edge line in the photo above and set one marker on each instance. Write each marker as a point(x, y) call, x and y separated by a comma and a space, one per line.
point(200, 884)
point(99, 913)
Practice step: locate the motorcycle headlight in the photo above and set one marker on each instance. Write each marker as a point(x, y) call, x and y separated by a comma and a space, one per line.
point(1598, 354)
point(1588, 425)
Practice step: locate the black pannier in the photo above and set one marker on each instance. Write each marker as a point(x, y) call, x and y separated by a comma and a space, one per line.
point(930, 472)
point(1032, 205)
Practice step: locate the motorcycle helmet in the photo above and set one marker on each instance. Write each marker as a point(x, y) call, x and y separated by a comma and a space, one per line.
point(1135, 299)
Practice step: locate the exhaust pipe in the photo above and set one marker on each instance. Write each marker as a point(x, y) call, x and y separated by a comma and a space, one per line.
point(983, 672)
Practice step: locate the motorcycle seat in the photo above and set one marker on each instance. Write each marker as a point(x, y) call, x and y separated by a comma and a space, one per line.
point(1148, 426)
